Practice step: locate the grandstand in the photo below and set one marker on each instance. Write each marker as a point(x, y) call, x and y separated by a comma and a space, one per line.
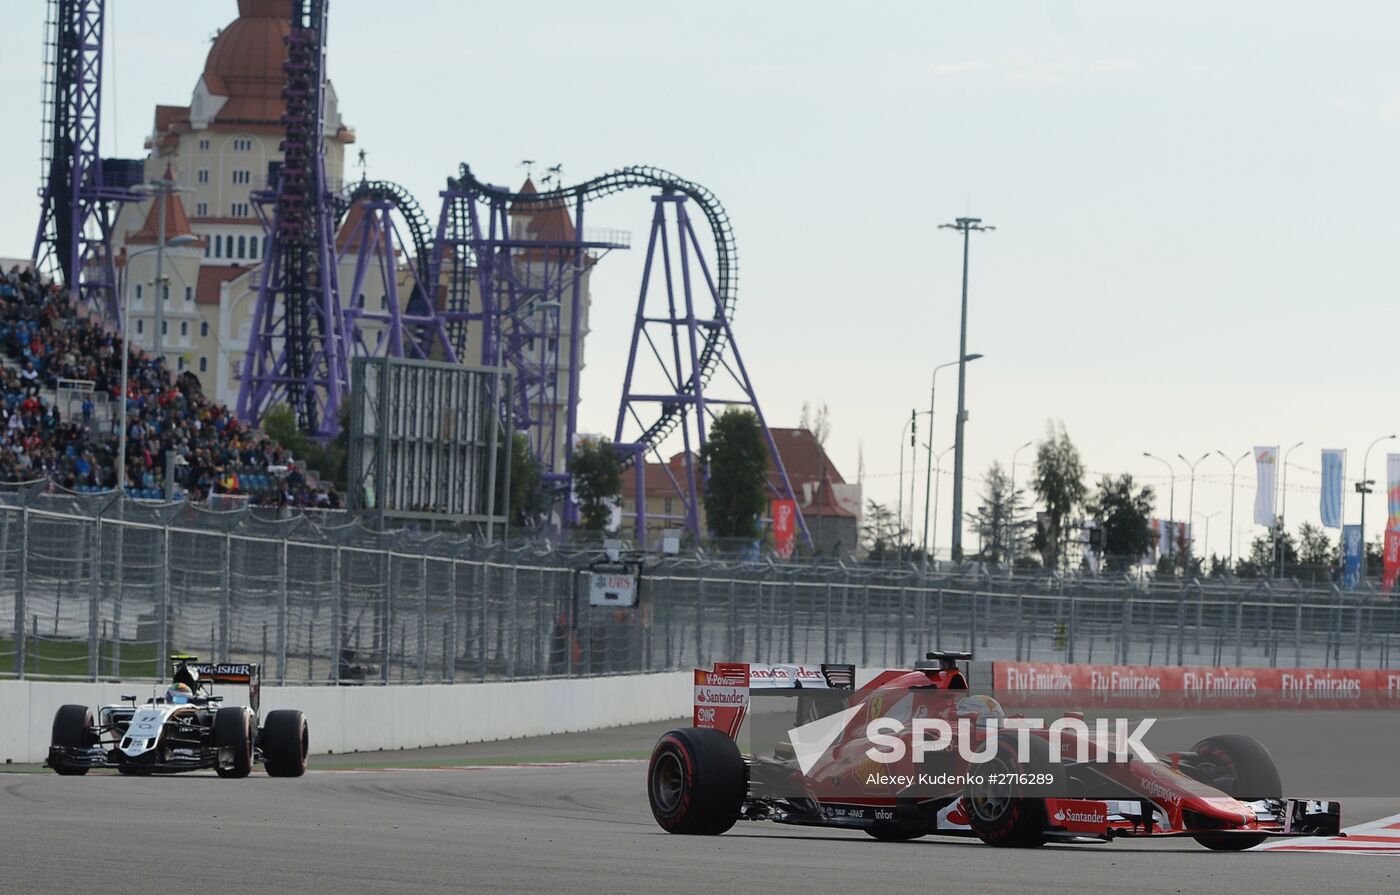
point(46, 344)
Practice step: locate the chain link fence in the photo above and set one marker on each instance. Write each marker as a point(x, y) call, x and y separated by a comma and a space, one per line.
point(94, 588)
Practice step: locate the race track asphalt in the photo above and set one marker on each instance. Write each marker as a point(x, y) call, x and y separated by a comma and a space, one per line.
point(572, 828)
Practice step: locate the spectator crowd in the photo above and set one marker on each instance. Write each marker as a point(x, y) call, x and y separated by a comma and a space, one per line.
point(45, 339)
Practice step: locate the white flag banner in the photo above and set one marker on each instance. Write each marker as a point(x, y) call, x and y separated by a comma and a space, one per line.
point(1266, 464)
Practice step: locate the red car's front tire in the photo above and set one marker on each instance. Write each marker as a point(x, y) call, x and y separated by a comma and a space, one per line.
point(1006, 815)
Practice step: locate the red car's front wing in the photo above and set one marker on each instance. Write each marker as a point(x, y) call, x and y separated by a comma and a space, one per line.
point(1085, 818)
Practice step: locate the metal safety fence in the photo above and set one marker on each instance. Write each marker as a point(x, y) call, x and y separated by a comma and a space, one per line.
point(95, 588)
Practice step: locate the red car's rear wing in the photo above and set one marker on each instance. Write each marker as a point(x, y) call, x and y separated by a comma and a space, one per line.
point(722, 693)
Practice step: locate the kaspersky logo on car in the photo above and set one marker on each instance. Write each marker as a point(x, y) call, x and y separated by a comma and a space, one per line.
point(976, 740)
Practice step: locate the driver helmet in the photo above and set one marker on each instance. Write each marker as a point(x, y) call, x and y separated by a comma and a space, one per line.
point(179, 694)
point(980, 705)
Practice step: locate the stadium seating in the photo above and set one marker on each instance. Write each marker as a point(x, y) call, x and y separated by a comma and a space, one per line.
point(44, 338)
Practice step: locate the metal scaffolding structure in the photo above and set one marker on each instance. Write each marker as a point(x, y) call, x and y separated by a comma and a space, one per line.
point(472, 255)
point(297, 346)
point(81, 192)
point(483, 287)
point(407, 323)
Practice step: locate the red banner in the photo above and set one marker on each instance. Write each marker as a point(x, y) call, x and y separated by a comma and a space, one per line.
point(784, 527)
point(1392, 559)
point(1043, 683)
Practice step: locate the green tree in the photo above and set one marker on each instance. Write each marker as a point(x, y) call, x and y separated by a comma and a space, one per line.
point(882, 533)
point(1059, 483)
point(528, 500)
point(1262, 561)
point(736, 463)
point(597, 473)
point(1218, 567)
point(993, 520)
point(1315, 548)
point(1125, 517)
point(1375, 557)
point(328, 460)
point(280, 424)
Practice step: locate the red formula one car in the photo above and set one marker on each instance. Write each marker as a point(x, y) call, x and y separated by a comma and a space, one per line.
point(831, 755)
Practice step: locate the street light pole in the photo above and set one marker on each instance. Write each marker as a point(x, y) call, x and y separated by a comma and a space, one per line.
point(1191, 506)
point(966, 226)
point(183, 239)
point(1363, 488)
point(1207, 517)
point(928, 465)
point(1233, 465)
point(938, 473)
point(162, 189)
point(1011, 529)
point(911, 426)
point(1283, 511)
point(1171, 502)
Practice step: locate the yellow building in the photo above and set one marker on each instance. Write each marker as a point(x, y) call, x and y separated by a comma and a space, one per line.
point(218, 150)
point(221, 148)
point(830, 506)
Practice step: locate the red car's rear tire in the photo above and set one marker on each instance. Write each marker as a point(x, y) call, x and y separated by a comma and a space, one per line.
point(696, 782)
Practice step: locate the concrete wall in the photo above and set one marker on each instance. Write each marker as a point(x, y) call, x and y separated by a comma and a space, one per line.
point(345, 719)
point(348, 719)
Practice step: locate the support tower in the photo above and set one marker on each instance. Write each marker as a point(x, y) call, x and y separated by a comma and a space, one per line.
point(297, 347)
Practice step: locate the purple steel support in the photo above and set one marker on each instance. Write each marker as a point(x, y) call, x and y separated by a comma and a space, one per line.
point(722, 320)
point(697, 382)
point(364, 259)
point(575, 368)
point(690, 386)
point(690, 494)
point(407, 325)
point(491, 261)
point(638, 329)
point(297, 349)
point(372, 240)
point(79, 207)
point(640, 465)
point(518, 283)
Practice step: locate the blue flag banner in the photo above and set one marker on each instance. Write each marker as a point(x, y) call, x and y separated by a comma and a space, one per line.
point(1333, 464)
point(1351, 555)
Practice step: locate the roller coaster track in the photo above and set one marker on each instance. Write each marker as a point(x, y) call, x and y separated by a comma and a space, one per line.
point(419, 229)
point(726, 261)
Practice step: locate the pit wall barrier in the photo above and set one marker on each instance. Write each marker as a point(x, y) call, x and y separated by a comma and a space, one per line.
point(365, 719)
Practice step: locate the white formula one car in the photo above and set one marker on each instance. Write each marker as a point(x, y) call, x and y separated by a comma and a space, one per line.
point(187, 728)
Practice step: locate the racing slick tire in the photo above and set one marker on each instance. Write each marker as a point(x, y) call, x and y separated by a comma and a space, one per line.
point(284, 743)
point(233, 729)
point(72, 729)
point(1013, 815)
point(1241, 768)
point(696, 782)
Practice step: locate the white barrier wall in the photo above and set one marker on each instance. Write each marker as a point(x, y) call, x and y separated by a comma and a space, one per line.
point(346, 719)
point(365, 719)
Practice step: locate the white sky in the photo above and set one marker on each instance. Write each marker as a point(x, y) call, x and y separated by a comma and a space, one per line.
point(1194, 200)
